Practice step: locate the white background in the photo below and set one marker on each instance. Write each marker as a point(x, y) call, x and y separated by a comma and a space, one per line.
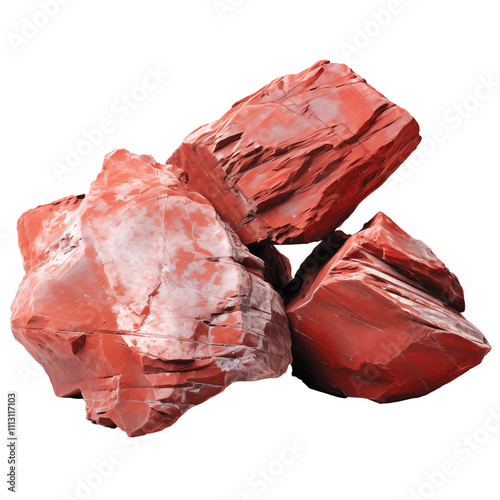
point(429, 58)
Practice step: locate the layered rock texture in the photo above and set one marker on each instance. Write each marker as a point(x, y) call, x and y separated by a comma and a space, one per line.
point(140, 299)
point(163, 285)
point(380, 319)
point(291, 162)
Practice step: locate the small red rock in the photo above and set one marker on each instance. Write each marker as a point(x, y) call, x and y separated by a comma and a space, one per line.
point(377, 316)
point(278, 270)
point(291, 162)
point(140, 299)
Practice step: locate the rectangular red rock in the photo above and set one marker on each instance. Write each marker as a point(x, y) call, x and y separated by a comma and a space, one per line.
point(291, 162)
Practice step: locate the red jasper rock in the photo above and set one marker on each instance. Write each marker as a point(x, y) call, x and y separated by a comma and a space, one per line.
point(377, 316)
point(278, 270)
point(291, 162)
point(140, 299)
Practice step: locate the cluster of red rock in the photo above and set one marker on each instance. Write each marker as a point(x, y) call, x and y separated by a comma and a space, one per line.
point(159, 288)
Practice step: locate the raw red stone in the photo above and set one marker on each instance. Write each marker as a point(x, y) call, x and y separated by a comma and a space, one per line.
point(278, 270)
point(140, 299)
point(291, 162)
point(378, 317)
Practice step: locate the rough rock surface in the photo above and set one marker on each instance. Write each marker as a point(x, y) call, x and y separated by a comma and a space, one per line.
point(291, 162)
point(140, 299)
point(278, 270)
point(380, 318)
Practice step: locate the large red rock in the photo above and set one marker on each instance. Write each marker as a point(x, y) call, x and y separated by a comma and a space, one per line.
point(377, 315)
point(140, 299)
point(291, 162)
